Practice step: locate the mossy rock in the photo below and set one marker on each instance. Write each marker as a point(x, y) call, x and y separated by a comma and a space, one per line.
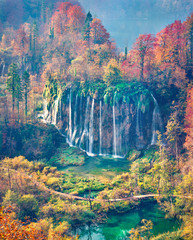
point(68, 156)
point(133, 155)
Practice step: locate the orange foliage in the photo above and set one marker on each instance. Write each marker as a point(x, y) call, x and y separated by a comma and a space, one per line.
point(76, 17)
point(189, 123)
point(141, 57)
point(171, 44)
point(98, 33)
point(60, 18)
point(11, 228)
point(67, 16)
point(21, 43)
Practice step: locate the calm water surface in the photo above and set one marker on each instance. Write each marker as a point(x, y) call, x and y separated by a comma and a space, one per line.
point(119, 225)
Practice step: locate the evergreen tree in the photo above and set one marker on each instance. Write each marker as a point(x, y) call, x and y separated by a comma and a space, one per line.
point(30, 39)
point(13, 83)
point(35, 34)
point(26, 87)
point(86, 28)
point(19, 93)
point(34, 45)
point(126, 53)
point(43, 11)
point(51, 33)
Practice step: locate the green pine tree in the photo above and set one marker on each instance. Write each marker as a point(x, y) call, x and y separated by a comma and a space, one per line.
point(26, 88)
point(43, 11)
point(86, 28)
point(11, 82)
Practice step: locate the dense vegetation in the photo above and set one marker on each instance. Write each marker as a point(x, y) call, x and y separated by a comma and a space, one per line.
point(59, 47)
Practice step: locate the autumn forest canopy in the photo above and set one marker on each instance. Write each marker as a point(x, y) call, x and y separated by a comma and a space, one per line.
point(54, 53)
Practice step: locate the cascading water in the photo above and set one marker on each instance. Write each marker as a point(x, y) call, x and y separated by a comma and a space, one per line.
point(91, 130)
point(3, 68)
point(120, 127)
point(45, 112)
point(70, 121)
point(139, 128)
point(75, 119)
point(156, 122)
point(85, 131)
point(118, 132)
point(80, 119)
point(55, 111)
point(100, 129)
point(137, 122)
point(114, 133)
point(60, 106)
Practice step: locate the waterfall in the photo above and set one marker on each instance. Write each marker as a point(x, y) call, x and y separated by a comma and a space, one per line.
point(156, 122)
point(45, 114)
point(60, 107)
point(80, 117)
point(138, 122)
point(50, 117)
point(91, 130)
point(3, 70)
point(96, 127)
point(70, 121)
point(117, 139)
point(118, 131)
point(114, 133)
point(75, 119)
point(85, 131)
point(139, 128)
point(55, 111)
point(100, 129)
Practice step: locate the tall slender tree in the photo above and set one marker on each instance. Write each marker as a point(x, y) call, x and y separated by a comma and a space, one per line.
point(26, 88)
point(12, 81)
point(86, 28)
point(43, 11)
point(19, 94)
point(34, 36)
point(189, 27)
point(14, 86)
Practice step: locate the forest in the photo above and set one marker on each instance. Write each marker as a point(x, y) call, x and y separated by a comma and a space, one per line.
point(69, 99)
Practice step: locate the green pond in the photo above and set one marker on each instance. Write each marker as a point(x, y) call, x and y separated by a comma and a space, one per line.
point(98, 165)
point(118, 226)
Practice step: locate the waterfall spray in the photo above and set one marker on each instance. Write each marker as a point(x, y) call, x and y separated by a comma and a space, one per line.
point(156, 122)
point(91, 130)
point(70, 121)
point(114, 132)
point(100, 129)
point(75, 119)
point(85, 131)
point(3, 68)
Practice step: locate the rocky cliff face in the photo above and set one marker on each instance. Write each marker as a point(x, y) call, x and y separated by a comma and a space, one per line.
point(110, 124)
